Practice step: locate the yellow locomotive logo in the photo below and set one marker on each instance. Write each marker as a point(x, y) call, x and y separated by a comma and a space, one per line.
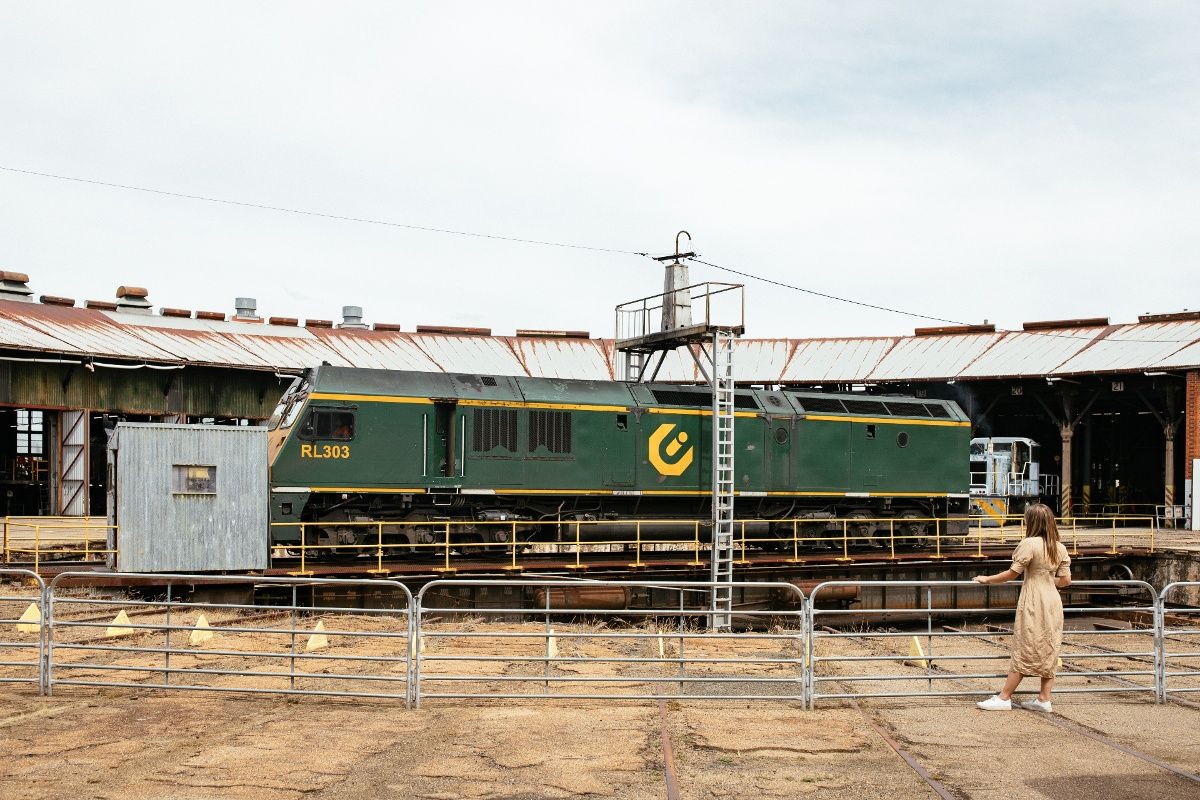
point(663, 446)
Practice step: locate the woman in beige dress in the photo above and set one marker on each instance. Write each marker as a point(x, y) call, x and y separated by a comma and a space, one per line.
point(1037, 631)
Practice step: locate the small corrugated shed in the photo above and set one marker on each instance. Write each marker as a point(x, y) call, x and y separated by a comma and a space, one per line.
point(167, 521)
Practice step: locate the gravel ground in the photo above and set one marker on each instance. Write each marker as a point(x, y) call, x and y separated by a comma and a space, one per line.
point(141, 744)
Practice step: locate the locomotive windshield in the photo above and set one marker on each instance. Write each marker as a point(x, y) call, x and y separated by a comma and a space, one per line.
point(289, 405)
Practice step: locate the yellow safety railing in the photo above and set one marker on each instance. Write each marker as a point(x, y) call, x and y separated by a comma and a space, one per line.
point(939, 537)
point(36, 540)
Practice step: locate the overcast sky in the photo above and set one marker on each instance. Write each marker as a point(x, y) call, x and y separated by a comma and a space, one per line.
point(1005, 161)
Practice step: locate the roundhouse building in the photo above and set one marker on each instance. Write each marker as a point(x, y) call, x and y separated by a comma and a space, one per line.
point(1116, 407)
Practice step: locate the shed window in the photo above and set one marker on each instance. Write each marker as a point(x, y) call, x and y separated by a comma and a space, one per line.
point(29, 432)
point(193, 479)
point(329, 423)
point(551, 430)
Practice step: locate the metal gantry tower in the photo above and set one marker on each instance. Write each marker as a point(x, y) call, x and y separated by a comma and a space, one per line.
point(704, 320)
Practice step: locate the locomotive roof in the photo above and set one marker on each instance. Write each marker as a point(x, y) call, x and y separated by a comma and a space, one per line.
point(357, 381)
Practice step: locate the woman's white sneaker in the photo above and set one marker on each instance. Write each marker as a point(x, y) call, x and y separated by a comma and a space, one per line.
point(1037, 705)
point(995, 703)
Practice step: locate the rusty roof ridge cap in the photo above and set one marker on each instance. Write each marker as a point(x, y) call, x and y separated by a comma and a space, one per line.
point(870, 373)
point(1001, 335)
point(510, 343)
point(416, 342)
point(793, 347)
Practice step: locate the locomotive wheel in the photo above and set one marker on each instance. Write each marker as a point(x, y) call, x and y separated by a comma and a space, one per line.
point(862, 533)
point(911, 533)
point(471, 545)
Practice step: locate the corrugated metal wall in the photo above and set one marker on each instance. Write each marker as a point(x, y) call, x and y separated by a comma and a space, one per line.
point(161, 530)
point(196, 391)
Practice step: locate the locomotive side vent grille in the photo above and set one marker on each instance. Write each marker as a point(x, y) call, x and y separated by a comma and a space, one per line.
point(937, 411)
point(907, 409)
point(550, 429)
point(676, 397)
point(488, 380)
point(822, 404)
point(873, 407)
point(492, 428)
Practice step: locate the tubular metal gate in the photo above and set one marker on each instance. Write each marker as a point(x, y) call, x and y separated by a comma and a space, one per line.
point(22, 619)
point(172, 642)
point(1185, 678)
point(581, 641)
point(927, 670)
point(555, 638)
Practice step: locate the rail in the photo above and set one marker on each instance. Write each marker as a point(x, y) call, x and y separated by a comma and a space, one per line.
point(33, 540)
point(572, 644)
point(22, 616)
point(931, 671)
point(586, 542)
point(1179, 669)
point(189, 643)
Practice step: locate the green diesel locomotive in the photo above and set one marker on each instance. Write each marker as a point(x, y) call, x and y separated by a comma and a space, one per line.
point(412, 451)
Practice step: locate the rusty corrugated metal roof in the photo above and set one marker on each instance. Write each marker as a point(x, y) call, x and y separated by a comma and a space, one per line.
point(834, 360)
point(129, 336)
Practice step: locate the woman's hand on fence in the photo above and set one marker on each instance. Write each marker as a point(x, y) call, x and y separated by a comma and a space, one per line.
point(980, 579)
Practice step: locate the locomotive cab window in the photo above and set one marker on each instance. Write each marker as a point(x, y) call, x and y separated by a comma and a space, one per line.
point(329, 423)
point(870, 431)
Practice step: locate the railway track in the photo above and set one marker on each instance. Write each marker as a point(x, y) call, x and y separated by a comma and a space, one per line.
point(1095, 648)
point(1057, 720)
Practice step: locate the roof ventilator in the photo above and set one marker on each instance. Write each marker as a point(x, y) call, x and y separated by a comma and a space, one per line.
point(133, 299)
point(246, 309)
point(13, 287)
point(352, 317)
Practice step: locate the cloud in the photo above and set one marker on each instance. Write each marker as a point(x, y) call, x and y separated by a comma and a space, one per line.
point(963, 160)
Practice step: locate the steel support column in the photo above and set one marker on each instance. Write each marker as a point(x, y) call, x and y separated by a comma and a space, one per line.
point(1067, 422)
point(1067, 432)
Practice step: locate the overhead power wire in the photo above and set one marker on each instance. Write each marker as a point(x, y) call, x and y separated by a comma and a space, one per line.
point(826, 295)
point(323, 214)
point(537, 242)
point(889, 309)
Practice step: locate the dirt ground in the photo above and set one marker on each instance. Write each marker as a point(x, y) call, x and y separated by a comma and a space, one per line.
point(140, 743)
point(183, 746)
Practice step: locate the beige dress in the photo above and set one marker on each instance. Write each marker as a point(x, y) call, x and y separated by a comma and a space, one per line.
point(1037, 631)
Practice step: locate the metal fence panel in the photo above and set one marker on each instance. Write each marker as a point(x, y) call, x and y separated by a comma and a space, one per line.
point(1178, 642)
point(22, 630)
point(577, 643)
point(174, 641)
point(926, 668)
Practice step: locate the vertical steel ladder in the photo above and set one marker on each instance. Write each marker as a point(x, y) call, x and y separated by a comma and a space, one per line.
point(721, 605)
point(633, 364)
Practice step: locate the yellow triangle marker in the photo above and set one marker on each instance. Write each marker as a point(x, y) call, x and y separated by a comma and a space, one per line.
point(1060, 666)
point(120, 626)
point(916, 654)
point(416, 646)
point(317, 640)
point(202, 633)
point(31, 620)
point(551, 645)
point(662, 649)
